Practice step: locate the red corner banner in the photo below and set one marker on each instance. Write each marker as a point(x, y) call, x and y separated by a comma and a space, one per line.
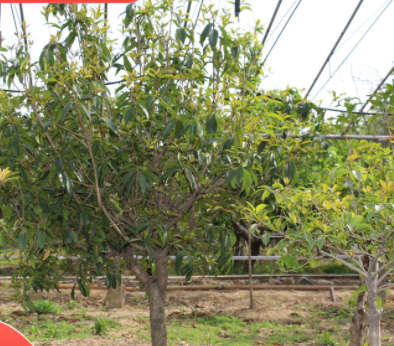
point(9, 336)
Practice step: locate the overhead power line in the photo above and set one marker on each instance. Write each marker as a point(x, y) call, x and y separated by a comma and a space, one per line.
point(271, 22)
point(333, 48)
point(347, 56)
point(366, 21)
point(369, 99)
point(280, 22)
point(13, 16)
point(283, 29)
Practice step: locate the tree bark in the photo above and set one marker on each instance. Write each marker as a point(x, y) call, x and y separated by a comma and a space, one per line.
point(239, 247)
point(255, 251)
point(156, 287)
point(157, 312)
point(373, 314)
point(250, 272)
point(358, 321)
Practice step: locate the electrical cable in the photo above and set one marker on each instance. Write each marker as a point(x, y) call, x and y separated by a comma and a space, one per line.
point(198, 15)
point(13, 16)
point(271, 22)
point(334, 48)
point(365, 22)
point(347, 56)
point(283, 29)
point(280, 22)
point(17, 15)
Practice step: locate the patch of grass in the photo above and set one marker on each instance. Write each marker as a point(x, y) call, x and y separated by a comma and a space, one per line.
point(44, 307)
point(71, 304)
point(103, 325)
point(273, 268)
point(327, 339)
point(344, 312)
point(231, 331)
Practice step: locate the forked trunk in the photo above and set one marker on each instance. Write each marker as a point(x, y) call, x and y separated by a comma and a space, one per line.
point(157, 313)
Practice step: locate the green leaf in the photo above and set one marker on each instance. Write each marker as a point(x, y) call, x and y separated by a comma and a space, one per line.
point(69, 186)
point(150, 253)
point(205, 33)
point(211, 124)
point(127, 64)
point(265, 238)
point(128, 176)
point(239, 174)
point(129, 114)
point(83, 289)
point(22, 242)
point(320, 242)
point(179, 260)
point(73, 292)
point(234, 52)
point(357, 175)
point(169, 173)
point(40, 239)
point(111, 125)
point(69, 238)
point(77, 90)
point(181, 33)
point(192, 181)
point(143, 184)
point(105, 51)
point(64, 112)
point(290, 170)
point(44, 206)
point(85, 218)
point(213, 38)
point(261, 147)
point(361, 289)
point(168, 128)
point(340, 171)
point(59, 164)
point(379, 303)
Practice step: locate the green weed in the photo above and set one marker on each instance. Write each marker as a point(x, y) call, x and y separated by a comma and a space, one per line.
point(102, 325)
point(45, 307)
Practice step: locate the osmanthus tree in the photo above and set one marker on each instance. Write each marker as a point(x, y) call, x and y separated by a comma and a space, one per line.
point(122, 176)
point(351, 214)
point(287, 149)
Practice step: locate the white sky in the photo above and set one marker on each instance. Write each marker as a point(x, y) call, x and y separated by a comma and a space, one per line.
point(301, 50)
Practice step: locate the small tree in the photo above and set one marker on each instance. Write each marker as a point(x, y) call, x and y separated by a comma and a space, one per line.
point(351, 215)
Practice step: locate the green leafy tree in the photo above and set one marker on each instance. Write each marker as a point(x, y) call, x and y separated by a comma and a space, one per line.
point(350, 215)
point(116, 177)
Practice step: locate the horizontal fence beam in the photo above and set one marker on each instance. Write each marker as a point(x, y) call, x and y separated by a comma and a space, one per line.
point(234, 258)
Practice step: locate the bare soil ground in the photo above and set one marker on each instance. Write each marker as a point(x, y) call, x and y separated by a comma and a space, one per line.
point(279, 318)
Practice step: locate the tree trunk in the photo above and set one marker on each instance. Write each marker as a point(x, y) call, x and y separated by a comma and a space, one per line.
point(250, 272)
point(358, 323)
point(156, 287)
point(239, 247)
point(255, 246)
point(157, 312)
point(373, 315)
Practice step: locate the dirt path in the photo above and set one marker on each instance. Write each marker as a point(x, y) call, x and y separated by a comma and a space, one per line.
point(275, 312)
